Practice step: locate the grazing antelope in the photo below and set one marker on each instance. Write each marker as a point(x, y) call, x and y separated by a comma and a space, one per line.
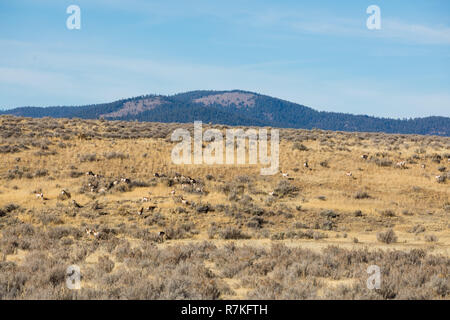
point(115, 182)
point(423, 166)
point(39, 196)
point(88, 231)
point(89, 173)
point(66, 194)
point(285, 175)
point(183, 201)
point(76, 204)
point(349, 174)
point(159, 175)
point(126, 180)
point(145, 199)
point(96, 233)
point(440, 179)
point(306, 164)
point(141, 211)
point(172, 192)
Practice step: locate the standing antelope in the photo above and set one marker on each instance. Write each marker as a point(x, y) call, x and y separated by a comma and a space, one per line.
point(401, 164)
point(66, 194)
point(162, 236)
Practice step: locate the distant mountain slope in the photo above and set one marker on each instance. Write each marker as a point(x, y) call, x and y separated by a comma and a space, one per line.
point(236, 107)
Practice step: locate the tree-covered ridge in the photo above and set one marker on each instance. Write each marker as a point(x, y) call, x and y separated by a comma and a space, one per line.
point(263, 111)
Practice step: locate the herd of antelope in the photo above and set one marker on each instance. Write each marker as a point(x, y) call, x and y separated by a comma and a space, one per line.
point(188, 181)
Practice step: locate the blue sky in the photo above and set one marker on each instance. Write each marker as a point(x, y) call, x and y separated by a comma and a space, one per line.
point(317, 53)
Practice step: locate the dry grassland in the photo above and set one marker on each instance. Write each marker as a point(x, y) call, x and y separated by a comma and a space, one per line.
point(230, 233)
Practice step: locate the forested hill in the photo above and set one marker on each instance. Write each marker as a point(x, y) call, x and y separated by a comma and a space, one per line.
point(236, 108)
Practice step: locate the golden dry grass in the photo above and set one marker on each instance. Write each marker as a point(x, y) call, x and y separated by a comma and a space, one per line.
point(412, 195)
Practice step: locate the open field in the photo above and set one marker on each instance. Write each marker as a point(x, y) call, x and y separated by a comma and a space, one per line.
point(230, 233)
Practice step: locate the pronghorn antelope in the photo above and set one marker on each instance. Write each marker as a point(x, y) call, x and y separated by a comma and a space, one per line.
point(141, 211)
point(145, 199)
point(151, 208)
point(126, 180)
point(285, 175)
point(401, 164)
point(440, 179)
point(162, 236)
point(89, 173)
point(183, 201)
point(76, 204)
point(199, 190)
point(349, 174)
point(423, 166)
point(92, 232)
point(364, 157)
point(172, 192)
point(65, 194)
point(39, 196)
point(305, 164)
point(159, 175)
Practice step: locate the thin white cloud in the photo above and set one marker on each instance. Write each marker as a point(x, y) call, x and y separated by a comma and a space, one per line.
point(416, 33)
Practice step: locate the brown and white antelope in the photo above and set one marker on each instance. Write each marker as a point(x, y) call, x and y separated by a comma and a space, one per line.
point(401, 164)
